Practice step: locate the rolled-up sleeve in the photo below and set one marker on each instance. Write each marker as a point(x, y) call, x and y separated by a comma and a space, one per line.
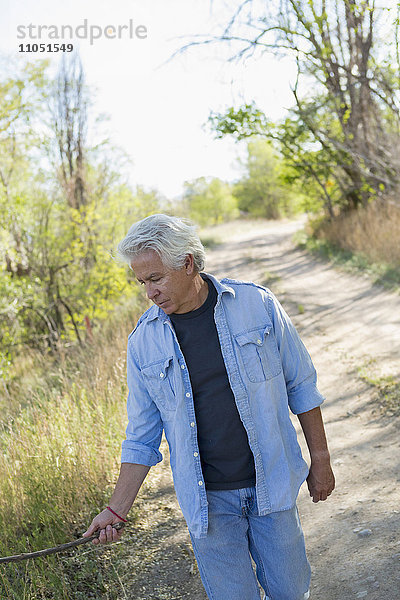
point(299, 371)
point(145, 427)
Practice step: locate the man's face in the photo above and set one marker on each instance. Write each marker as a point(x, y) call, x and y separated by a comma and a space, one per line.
point(170, 289)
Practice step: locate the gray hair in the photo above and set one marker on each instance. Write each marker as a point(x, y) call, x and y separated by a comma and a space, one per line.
point(172, 238)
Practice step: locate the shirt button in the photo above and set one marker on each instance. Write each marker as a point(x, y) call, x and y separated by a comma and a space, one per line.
point(187, 395)
point(192, 424)
point(200, 483)
point(182, 366)
point(161, 375)
point(259, 342)
point(195, 454)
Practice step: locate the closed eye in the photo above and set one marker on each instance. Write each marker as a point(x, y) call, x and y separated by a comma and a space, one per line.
point(153, 280)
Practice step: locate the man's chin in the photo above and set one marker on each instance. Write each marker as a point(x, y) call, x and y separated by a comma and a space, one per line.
point(167, 307)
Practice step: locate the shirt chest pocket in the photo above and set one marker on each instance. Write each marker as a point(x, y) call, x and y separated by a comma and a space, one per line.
point(259, 353)
point(159, 381)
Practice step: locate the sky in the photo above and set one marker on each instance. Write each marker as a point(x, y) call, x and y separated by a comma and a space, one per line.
point(157, 107)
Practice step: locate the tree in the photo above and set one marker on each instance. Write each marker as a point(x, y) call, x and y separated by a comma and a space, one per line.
point(58, 213)
point(20, 96)
point(347, 101)
point(209, 200)
point(69, 103)
point(262, 192)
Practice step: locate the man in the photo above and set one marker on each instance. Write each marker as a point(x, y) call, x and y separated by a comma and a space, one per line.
point(217, 365)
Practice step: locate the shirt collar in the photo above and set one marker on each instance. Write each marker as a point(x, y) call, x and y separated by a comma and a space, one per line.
point(219, 286)
point(155, 312)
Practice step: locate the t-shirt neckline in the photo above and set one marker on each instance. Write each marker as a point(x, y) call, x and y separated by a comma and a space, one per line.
point(208, 302)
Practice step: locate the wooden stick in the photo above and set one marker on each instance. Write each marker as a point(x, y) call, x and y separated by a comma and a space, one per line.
point(56, 549)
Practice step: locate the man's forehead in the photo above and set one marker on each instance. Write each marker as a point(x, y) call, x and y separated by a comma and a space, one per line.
point(148, 262)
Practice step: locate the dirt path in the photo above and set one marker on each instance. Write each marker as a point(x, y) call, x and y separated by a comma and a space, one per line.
point(353, 539)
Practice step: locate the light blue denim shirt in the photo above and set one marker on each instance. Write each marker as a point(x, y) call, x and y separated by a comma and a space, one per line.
point(269, 370)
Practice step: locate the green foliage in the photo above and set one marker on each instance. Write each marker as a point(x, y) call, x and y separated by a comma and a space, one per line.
point(339, 142)
point(58, 278)
point(242, 123)
point(66, 268)
point(210, 201)
point(22, 92)
point(317, 172)
point(263, 191)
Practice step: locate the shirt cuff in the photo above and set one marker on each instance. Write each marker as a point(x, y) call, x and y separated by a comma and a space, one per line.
point(139, 454)
point(305, 398)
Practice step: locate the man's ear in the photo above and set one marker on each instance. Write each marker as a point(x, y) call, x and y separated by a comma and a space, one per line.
point(189, 264)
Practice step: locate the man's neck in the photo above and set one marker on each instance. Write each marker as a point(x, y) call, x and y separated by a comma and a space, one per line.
point(199, 295)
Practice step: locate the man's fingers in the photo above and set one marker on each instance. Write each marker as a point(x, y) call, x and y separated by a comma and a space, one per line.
point(319, 496)
point(107, 535)
point(116, 535)
point(102, 537)
point(104, 522)
point(321, 483)
point(92, 528)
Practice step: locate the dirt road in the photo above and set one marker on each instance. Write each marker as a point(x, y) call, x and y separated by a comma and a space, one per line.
point(353, 539)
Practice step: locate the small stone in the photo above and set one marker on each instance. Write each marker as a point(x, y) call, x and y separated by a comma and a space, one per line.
point(362, 594)
point(364, 533)
point(371, 578)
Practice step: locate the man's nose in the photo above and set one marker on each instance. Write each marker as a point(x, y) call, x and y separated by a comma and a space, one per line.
point(151, 291)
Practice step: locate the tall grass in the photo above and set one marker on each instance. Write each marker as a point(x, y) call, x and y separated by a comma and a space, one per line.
point(59, 457)
point(368, 239)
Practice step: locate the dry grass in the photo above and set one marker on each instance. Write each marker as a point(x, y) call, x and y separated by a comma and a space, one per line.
point(373, 231)
point(59, 456)
point(366, 241)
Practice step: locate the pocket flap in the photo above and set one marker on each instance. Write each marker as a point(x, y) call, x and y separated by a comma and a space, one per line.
point(159, 369)
point(255, 336)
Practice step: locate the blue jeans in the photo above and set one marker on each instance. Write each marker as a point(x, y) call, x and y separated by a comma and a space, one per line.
point(235, 534)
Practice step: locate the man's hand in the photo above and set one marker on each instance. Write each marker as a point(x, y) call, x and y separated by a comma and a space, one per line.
point(104, 522)
point(320, 480)
point(130, 479)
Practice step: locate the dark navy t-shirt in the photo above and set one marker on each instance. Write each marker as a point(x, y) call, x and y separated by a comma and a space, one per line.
point(226, 459)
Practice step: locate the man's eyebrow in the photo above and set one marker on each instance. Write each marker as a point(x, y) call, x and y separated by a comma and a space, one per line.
point(156, 274)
